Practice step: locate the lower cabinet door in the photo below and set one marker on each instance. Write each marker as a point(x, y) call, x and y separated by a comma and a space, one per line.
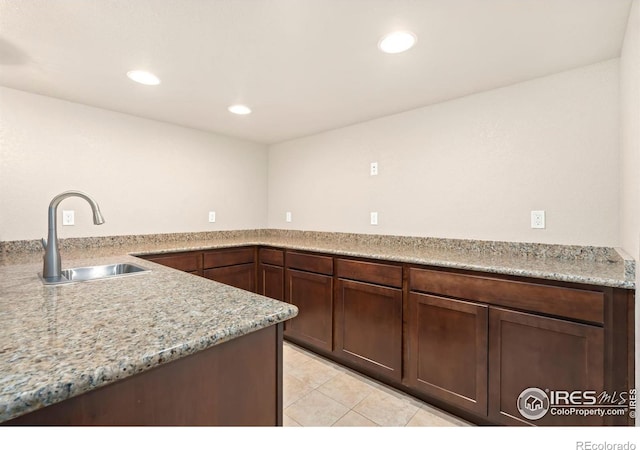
point(242, 276)
point(312, 293)
point(545, 357)
point(368, 327)
point(447, 354)
point(271, 279)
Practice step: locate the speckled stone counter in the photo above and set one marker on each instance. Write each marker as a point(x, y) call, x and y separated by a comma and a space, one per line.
point(601, 266)
point(60, 341)
point(57, 342)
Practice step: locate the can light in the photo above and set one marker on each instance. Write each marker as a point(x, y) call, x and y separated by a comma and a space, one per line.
point(143, 77)
point(239, 109)
point(397, 42)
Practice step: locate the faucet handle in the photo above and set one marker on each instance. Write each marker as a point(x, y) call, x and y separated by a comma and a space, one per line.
point(44, 243)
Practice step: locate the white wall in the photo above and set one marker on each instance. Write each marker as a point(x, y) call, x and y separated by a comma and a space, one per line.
point(630, 154)
point(147, 176)
point(469, 168)
point(630, 134)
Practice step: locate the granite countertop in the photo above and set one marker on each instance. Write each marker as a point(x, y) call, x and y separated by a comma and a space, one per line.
point(602, 266)
point(597, 268)
point(60, 341)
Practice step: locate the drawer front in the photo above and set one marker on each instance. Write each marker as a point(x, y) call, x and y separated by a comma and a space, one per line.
point(272, 256)
point(385, 274)
point(310, 263)
point(576, 304)
point(188, 262)
point(229, 257)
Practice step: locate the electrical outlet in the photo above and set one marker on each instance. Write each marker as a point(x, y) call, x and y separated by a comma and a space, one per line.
point(68, 217)
point(374, 218)
point(374, 168)
point(212, 216)
point(288, 216)
point(537, 219)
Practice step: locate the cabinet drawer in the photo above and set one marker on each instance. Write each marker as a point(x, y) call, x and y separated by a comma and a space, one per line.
point(188, 262)
point(385, 274)
point(272, 256)
point(229, 257)
point(579, 304)
point(310, 263)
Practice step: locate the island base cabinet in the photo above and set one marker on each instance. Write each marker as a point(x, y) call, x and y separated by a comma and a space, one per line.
point(368, 327)
point(530, 351)
point(238, 382)
point(312, 293)
point(447, 342)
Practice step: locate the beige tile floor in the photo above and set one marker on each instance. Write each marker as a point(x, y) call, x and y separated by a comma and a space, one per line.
point(321, 393)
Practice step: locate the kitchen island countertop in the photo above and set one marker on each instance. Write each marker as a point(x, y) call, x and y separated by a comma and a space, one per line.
point(57, 342)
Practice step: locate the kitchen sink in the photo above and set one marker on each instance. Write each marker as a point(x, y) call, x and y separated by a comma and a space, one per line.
point(90, 273)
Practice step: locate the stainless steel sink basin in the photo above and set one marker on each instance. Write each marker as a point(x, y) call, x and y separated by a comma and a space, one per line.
point(95, 273)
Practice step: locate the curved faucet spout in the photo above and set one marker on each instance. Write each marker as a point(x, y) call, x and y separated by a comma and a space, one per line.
point(52, 269)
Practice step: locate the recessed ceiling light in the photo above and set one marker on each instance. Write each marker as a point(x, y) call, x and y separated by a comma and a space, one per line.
point(239, 109)
point(397, 42)
point(143, 77)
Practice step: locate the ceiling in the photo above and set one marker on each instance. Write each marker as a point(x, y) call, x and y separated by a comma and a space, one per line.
point(303, 66)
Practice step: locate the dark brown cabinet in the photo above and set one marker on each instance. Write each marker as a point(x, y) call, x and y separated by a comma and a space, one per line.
point(271, 273)
point(530, 351)
point(474, 354)
point(234, 266)
point(309, 286)
point(468, 341)
point(190, 262)
point(447, 350)
point(242, 276)
point(368, 317)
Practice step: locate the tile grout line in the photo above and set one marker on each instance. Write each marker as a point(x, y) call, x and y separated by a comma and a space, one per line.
point(338, 419)
point(411, 418)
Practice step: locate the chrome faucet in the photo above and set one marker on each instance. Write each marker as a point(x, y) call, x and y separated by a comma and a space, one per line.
point(52, 270)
